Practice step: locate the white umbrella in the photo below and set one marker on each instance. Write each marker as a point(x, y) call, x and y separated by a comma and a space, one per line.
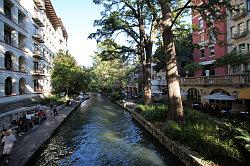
point(184, 93)
point(219, 96)
point(157, 92)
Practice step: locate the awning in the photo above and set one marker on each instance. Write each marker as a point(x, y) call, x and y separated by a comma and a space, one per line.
point(245, 93)
point(184, 93)
point(219, 96)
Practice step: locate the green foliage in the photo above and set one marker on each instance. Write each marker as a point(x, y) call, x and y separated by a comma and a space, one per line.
point(67, 76)
point(153, 113)
point(204, 135)
point(193, 67)
point(233, 59)
point(51, 99)
point(244, 139)
point(110, 74)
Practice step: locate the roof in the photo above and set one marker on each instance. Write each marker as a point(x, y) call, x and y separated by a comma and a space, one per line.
point(55, 21)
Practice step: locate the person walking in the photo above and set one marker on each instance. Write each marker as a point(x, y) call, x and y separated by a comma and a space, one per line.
point(8, 142)
point(55, 111)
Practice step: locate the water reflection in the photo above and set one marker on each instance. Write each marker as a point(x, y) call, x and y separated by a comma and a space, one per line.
point(101, 133)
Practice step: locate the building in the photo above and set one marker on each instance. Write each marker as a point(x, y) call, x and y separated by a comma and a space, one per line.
point(234, 86)
point(210, 48)
point(238, 37)
point(31, 33)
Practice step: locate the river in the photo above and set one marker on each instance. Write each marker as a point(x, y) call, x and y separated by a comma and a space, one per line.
point(101, 133)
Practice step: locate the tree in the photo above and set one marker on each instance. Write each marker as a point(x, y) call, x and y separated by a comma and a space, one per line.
point(130, 18)
point(109, 75)
point(193, 67)
point(230, 60)
point(168, 18)
point(67, 76)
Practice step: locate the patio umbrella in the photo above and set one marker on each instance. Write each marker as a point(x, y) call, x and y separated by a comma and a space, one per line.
point(157, 92)
point(184, 93)
point(219, 96)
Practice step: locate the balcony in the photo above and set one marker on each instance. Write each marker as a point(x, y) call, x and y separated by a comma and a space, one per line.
point(222, 80)
point(242, 13)
point(38, 19)
point(40, 4)
point(37, 54)
point(38, 36)
point(38, 72)
point(240, 35)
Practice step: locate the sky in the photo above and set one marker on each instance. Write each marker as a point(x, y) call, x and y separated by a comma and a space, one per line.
point(78, 17)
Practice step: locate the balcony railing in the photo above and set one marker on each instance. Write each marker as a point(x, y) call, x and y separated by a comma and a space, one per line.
point(37, 53)
point(222, 80)
point(240, 34)
point(38, 18)
point(40, 4)
point(39, 36)
point(38, 72)
point(242, 13)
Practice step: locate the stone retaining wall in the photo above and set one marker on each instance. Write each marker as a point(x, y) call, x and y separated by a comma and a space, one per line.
point(187, 156)
point(18, 104)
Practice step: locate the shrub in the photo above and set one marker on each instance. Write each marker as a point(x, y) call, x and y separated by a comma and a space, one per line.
point(51, 99)
point(203, 135)
point(153, 113)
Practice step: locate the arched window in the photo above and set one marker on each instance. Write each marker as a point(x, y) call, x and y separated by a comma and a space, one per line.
point(8, 60)
point(22, 86)
point(8, 86)
point(22, 64)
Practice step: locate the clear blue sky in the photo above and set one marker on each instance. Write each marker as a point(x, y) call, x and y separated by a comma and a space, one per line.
point(78, 17)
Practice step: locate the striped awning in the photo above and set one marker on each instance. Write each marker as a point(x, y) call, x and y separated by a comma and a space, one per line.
point(245, 93)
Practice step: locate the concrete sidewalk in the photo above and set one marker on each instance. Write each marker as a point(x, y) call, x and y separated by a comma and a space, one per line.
point(27, 145)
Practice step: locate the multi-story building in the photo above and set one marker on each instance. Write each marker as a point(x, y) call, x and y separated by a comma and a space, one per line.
point(30, 34)
point(238, 36)
point(232, 89)
point(210, 48)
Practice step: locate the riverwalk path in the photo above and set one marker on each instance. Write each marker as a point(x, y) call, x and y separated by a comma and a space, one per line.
point(27, 145)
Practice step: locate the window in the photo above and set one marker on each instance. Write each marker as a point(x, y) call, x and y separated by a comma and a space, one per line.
point(202, 53)
point(36, 85)
point(241, 28)
point(212, 37)
point(201, 24)
point(212, 51)
point(7, 10)
point(236, 69)
point(233, 31)
point(7, 36)
point(242, 48)
point(248, 48)
point(247, 67)
point(248, 25)
point(248, 5)
point(202, 37)
point(8, 60)
point(35, 66)
point(8, 86)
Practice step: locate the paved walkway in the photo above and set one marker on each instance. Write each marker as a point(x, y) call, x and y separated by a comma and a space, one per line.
point(27, 145)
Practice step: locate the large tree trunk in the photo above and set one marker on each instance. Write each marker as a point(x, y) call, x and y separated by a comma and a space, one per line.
point(175, 106)
point(144, 59)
